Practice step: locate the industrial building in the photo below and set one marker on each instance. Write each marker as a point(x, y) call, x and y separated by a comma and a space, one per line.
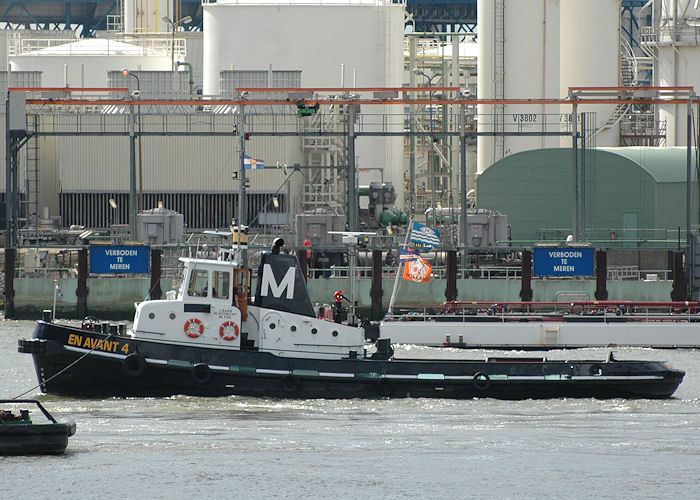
point(200, 51)
point(633, 194)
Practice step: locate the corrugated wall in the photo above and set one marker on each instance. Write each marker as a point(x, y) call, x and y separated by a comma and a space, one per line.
point(200, 210)
point(170, 163)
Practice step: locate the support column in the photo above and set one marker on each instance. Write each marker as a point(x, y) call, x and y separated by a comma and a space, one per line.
point(678, 289)
point(10, 283)
point(353, 205)
point(133, 206)
point(601, 275)
point(376, 293)
point(156, 274)
point(463, 185)
point(451, 290)
point(574, 169)
point(242, 194)
point(526, 277)
point(82, 289)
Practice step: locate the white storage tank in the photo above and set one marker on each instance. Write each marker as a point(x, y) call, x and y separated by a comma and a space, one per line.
point(317, 37)
point(85, 63)
point(589, 55)
point(518, 59)
point(677, 30)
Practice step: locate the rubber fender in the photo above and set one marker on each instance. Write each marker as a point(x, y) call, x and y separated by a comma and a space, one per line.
point(134, 365)
point(290, 383)
point(481, 381)
point(201, 373)
point(32, 346)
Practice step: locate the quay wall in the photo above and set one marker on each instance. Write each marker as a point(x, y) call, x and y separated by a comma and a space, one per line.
point(114, 298)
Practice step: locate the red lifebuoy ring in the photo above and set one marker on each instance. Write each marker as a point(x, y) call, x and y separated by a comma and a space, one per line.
point(225, 330)
point(194, 328)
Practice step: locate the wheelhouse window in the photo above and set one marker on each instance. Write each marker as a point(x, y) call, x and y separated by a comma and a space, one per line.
point(199, 283)
point(221, 283)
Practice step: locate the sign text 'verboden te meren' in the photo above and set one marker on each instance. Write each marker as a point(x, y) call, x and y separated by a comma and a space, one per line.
point(116, 259)
point(564, 262)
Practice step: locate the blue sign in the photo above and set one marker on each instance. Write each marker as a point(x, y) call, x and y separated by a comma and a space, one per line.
point(567, 261)
point(118, 259)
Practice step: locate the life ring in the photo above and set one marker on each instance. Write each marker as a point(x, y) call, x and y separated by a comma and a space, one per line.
point(194, 328)
point(225, 330)
point(201, 373)
point(481, 381)
point(134, 365)
point(290, 383)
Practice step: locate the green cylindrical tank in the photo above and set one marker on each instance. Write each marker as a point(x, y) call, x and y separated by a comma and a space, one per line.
point(393, 217)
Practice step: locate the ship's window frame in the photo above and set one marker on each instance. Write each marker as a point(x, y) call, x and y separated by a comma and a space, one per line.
point(221, 284)
point(195, 288)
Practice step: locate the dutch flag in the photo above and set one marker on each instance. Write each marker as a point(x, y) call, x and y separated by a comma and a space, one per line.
point(425, 235)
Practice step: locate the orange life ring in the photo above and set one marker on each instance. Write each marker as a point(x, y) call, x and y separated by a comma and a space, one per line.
point(225, 327)
point(194, 328)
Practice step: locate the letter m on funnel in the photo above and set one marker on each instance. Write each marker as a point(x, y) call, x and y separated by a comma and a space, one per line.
point(270, 285)
point(281, 286)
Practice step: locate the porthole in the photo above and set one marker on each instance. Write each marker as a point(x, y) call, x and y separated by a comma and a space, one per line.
point(151, 316)
point(314, 331)
point(272, 326)
point(293, 328)
point(172, 316)
point(335, 333)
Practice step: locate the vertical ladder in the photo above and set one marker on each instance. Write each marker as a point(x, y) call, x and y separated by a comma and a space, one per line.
point(30, 205)
point(498, 77)
point(327, 187)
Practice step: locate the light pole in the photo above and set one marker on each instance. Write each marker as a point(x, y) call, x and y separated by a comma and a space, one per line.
point(133, 204)
point(431, 167)
point(173, 26)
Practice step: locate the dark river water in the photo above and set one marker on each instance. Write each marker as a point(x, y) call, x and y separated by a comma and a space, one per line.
point(237, 447)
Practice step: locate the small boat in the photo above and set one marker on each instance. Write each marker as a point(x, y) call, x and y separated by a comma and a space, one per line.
point(20, 435)
point(213, 338)
point(547, 325)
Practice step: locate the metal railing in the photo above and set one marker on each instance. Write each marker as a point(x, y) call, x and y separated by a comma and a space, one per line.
point(62, 262)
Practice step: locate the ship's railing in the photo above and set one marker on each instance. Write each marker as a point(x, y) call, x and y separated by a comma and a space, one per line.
point(493, 273)
point(590, 311)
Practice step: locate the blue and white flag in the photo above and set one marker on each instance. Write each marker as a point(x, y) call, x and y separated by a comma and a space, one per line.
point(251, 163)
point(408, 255)
point(59, 292)
point(425, 235)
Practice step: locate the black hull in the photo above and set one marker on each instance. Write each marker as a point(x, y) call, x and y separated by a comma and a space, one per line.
point(122, 366)
point(34, 439)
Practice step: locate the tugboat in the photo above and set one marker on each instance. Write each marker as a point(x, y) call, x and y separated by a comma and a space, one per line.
point(19, 435)
point(213, 338)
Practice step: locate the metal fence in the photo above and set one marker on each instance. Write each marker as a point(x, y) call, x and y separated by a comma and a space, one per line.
point(62, 262)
